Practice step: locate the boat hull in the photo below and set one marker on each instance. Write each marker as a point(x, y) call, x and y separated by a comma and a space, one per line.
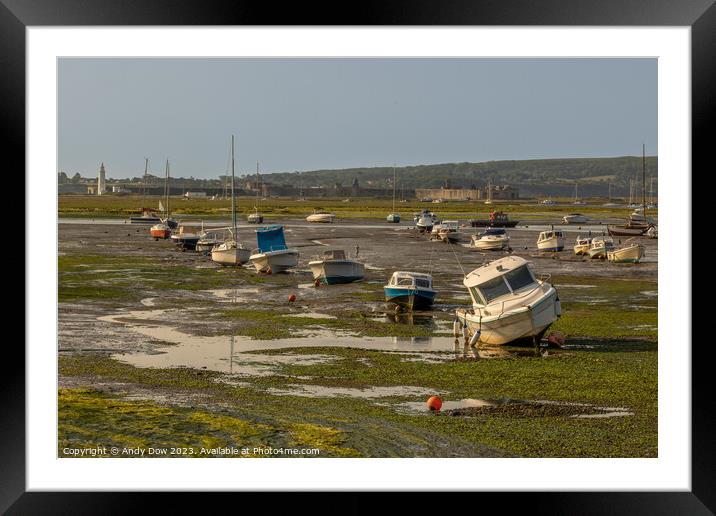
point(513, 327)
point(631, 254)
point(320, 218)
point(600, 253)
point(409, 298)
point(337, 271)
point(581, 249)
point(205, 247)
point(553, 244)
point(255, 219)
point(492, 244)
point(185, 242)
point(626, 231)
point(144, 220)
point(160, 232)
point(274, 261)
point(230, 257)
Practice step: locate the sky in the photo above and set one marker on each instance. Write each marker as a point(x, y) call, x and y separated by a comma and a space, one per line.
point(296, 114)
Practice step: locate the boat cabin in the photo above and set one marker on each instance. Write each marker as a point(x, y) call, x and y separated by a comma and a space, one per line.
point(336, 254)
point(546, 235)
point(411, 279)
point(493, 232)
point(602, 242)
point(451, 225)
point(494, 281)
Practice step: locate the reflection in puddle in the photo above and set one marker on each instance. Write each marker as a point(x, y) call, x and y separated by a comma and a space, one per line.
point(233, 295)
point(232, 353)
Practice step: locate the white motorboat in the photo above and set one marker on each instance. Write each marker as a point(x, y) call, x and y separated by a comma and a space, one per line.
point(410, 290)
point(632, 253)
point(575, 218)
point(492, 239)
point(652, 232)
point(548, 202)
point(582, 244)
point(509, 305)
point(600, 246)
point(186, 237)
point(321, 217)
point(550, 241)
point(255, 217)
point(334, 267)
point(449, 231)
point(272, 255)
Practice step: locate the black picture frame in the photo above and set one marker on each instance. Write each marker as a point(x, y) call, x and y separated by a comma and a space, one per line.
point(700, 15)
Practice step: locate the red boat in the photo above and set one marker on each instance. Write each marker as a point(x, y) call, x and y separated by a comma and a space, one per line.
point(498, 219)
point(160, 231)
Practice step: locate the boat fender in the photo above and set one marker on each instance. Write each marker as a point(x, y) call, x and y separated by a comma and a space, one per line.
point(475, 337)
point(456, 328)
point(465, 334)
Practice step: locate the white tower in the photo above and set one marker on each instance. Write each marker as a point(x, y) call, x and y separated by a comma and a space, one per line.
point(100, 180)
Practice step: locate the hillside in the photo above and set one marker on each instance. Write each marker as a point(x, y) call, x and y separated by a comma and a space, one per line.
point(529, 174)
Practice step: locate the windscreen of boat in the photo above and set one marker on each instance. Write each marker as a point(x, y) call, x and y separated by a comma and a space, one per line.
point(519, 278)
point(494, 288)
point(422, 283)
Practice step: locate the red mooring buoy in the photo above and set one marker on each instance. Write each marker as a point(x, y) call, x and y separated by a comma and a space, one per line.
point(435, 403)
point(291, 298)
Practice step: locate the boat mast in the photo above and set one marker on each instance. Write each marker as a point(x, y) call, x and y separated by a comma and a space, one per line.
point(233, 197)
point(257, 188)
point(166, 191)
point(643, 179)
point(144, 183)
point(393, 187)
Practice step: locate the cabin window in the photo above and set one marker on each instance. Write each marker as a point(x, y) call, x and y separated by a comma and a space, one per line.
point(423, 283)
point(519, 278)
point(408, 282)
point(476, 297)
point(494, 288)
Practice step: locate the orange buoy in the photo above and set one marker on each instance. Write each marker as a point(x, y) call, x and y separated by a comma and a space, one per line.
point(435, 403)
point(556, 338)
point(291, 298)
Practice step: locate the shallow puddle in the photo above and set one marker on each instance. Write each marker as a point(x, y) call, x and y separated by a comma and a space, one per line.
point(321, 391)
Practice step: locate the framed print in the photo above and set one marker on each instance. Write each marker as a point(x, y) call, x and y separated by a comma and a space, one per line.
point(419, 252)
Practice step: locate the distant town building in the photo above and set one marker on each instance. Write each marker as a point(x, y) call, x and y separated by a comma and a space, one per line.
point(101, 179)
point(503, 192)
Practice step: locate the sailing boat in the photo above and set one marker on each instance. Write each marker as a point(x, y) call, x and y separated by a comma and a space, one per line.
point(609, 202)
point(147, 216)
point(256, 217)
point(394, 217)
point(576, 195)
point(489, 192)
point(163, 230)
point(638, 223)
point(231, 252)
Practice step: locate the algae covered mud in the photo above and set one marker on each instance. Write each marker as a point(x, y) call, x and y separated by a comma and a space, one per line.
point(164, 353)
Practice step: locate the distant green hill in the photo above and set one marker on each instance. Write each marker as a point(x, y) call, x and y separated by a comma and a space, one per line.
point(542, 172)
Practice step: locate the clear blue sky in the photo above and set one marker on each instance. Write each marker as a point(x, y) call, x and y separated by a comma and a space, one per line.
point(307, 114)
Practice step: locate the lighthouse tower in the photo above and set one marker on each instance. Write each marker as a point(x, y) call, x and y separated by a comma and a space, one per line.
point(101, 180)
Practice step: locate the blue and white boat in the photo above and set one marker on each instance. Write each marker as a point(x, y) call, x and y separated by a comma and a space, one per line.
point(334, 267)
point(393, 218)
point(272, 255)
point(411, 290)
